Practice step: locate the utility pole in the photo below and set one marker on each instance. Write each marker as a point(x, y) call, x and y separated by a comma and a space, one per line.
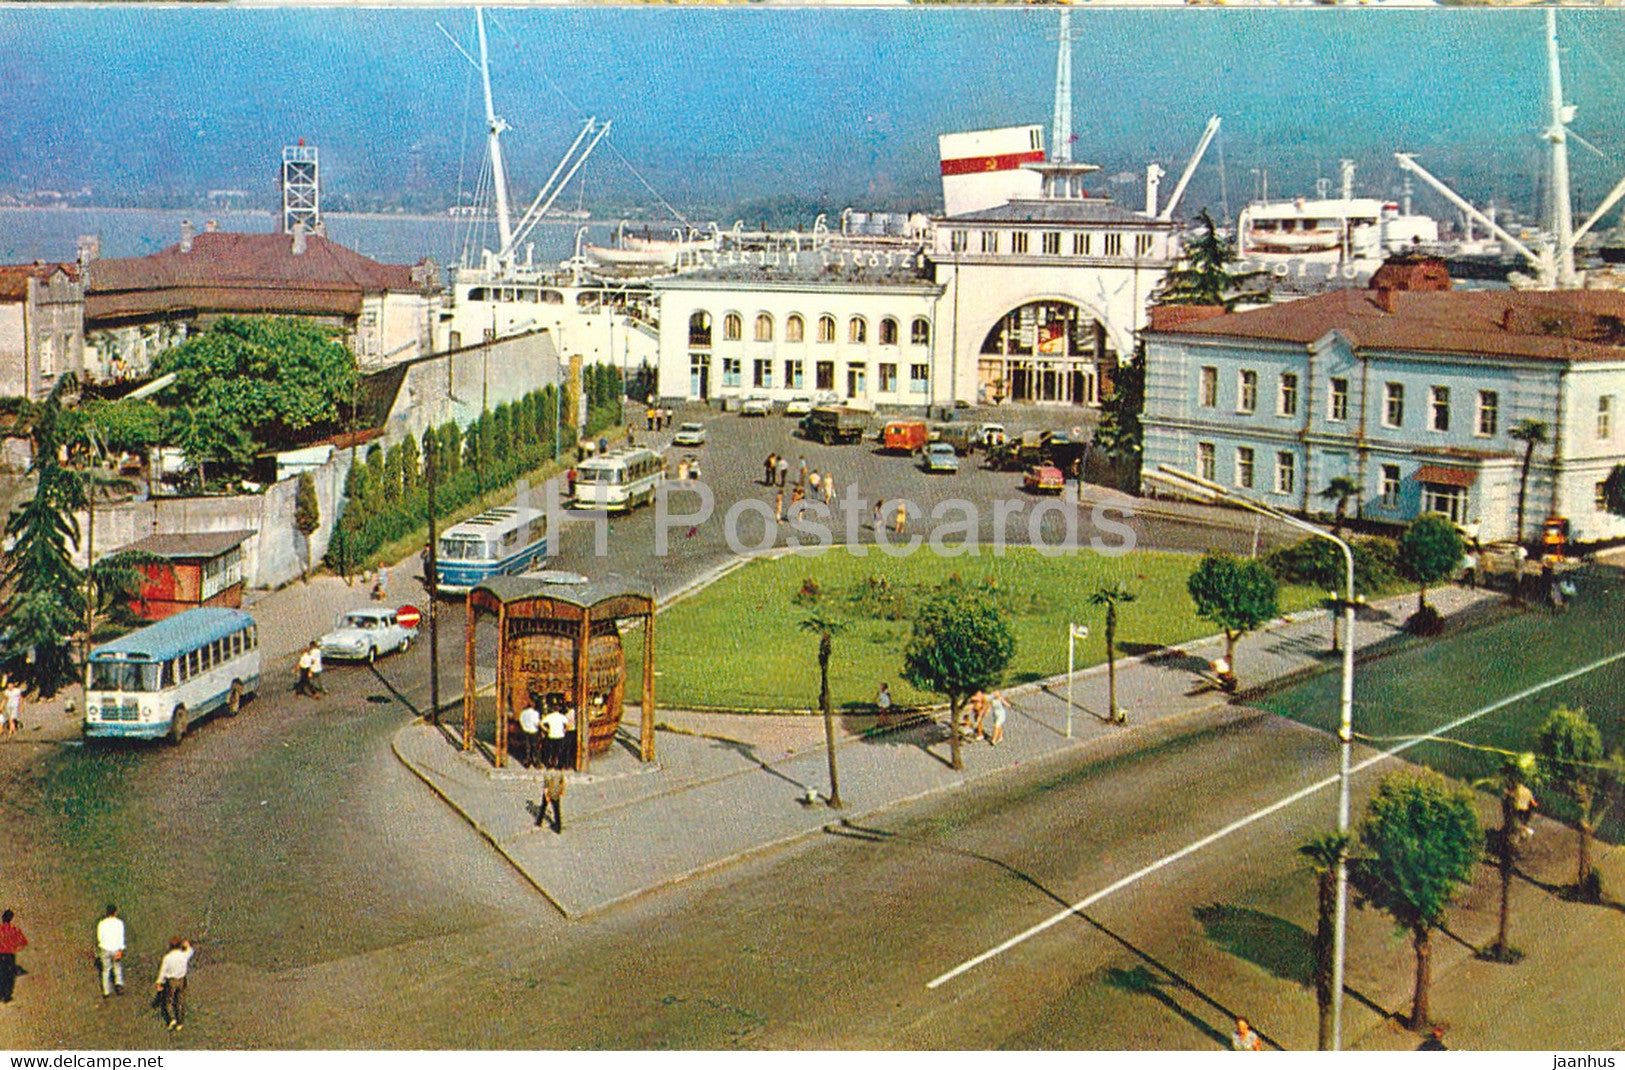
point(431, 580)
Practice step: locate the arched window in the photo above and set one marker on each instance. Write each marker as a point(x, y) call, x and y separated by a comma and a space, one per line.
point(794, 328)
point(920, 333)
point(733, 328)
point(858, 331)
point(888, 332)
point(826, 328)
point(699, 330)
point(764, 327)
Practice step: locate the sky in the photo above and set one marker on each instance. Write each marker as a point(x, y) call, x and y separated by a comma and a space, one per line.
point(717, 105)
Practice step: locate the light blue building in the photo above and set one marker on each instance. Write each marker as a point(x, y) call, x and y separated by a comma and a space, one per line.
point(1409, 393)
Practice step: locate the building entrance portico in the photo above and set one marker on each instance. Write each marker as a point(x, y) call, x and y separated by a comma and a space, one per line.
point(1044, 351)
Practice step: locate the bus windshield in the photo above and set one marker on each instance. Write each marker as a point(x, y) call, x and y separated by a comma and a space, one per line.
point(123, 676)
point(461, 549)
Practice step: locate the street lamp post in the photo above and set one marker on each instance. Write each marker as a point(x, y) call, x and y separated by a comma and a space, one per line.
point(1205, 489)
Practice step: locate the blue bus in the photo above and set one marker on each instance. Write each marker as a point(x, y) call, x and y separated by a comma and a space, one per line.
point(505, 540)
point(161, 679)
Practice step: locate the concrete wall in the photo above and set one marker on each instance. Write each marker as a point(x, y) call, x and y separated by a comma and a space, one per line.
point(273, 556)
point(456, 385)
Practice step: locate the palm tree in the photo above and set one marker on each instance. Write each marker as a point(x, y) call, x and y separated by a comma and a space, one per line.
point(826, 630)
point(1111, 597)
point(1324, 853)
point(1517, 771)
point(1531, 433)
point(1340, 490)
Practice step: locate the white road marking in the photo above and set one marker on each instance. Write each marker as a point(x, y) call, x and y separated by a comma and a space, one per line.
point(1281, 804)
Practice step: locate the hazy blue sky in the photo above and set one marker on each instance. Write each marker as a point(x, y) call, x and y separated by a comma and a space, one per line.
point(720, 104)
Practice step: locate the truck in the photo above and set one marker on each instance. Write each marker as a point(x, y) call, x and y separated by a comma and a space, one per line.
point(833, 425)
point(962, 437)
point(904, 436)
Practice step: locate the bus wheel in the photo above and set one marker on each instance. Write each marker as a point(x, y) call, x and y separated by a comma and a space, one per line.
point(234, 701)
point(177, 725)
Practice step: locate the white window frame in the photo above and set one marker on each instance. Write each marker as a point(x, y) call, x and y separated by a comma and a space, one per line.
point(1286, 400)
point(1246, 462)
point(1393, 394)
point(1605, 417)
point(1207, 459)
point(1439, 409)
point(1207, 387)
point(1337, 401)
point(1286, 472)
point(1390, 486)
point(1246, 390)
point(1489, 403)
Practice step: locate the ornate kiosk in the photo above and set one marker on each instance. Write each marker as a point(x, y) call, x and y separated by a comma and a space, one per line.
point(560, 644)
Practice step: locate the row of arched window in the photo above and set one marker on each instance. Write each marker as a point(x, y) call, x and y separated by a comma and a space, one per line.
point(795, 329)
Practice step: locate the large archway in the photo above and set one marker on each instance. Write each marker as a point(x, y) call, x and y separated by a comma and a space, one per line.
point(1050, 351)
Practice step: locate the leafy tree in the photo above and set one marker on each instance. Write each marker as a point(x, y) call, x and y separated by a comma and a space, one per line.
point(1429, 551)
point(1515, 775)
point(1341, 490)
point(1111, 596)
point(1323, 853)
point(134, 424)
point(1531, 433)
point(1236, 595)
point(207, 435)
point(1206, 280)
point(1613, 490)
point(961, 644)
point(1120, 433)
point(826, 629)
point(1571, 760)
point(262, 380)
point(1425, 840)
point(307, 515)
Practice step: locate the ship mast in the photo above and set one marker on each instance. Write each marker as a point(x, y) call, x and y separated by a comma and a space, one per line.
point(1061, 127)
point(1558, 134)
point(494, 126)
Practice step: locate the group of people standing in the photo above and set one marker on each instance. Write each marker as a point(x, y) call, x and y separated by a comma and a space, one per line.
point(549, 736)
point(169, 994)
point(655, 419)
point(809, 482)
point(985, 715)
point(310, 671)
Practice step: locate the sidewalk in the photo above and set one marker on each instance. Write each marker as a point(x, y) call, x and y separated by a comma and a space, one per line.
point(725, 787)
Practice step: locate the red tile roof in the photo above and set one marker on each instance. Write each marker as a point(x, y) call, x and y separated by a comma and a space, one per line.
point(241, 272)
point(1569, 325)
point(14, 277)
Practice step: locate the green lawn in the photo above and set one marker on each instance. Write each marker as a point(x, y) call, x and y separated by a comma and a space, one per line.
point(1413, 692)
point(737, 643)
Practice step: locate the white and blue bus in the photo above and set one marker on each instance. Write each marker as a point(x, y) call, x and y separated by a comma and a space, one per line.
point(505, 540)
point(622, 479)
point(159, 680)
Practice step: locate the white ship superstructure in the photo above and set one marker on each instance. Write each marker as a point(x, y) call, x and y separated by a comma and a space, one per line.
point(1348, 233)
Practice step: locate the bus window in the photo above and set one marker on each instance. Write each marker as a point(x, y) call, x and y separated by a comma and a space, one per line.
point(169, 674)
point(192, 662)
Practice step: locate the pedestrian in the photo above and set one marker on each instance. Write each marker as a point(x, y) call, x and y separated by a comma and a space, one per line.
point(874, 521)
point(829, 488)
point(552, 799)
point(778, 506)
point(801, 477)
point(171, 993)
point(1224, 675)
point(682, 470)
point(316, 687)
point(14, 705)
point(554, 725)
point(1469, 570)
point(603, 445)
point(570, 484)
point(668, 419)
point(980, 705)
point(901, 519)
point(530, 723)
point(1244, 1039)
point(784, 470)
point(796, 496)
point(883, 701)
point(1435, 1040)
point(303, 686)
point(812, 482)
point(110, 951)
point(1523, 801)
point(12, 941)
point(649, 418)
point(1001, 711)
point(768, 467)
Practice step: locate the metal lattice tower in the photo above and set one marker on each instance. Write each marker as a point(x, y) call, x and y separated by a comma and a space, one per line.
point(301, 188)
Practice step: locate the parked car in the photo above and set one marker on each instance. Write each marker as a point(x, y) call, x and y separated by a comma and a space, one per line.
point(689, 434)
point(1044, 479)
point(939, 457)
point(363, 634)
point(904, 436)
point(825, 398)
point(990, 435)
point(756, 405)
point(800, 405)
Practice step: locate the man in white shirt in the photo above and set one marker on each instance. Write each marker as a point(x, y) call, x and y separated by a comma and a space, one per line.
point(530, 723)
point(110, 951)
point(554, 725)
point(303, 686)
point(316, 687)
point(172, 982)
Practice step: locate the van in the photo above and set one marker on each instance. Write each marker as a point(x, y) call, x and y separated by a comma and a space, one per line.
point(904, 436)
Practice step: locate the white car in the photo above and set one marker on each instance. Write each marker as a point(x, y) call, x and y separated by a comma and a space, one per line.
point(756, 405)
point(800, 405)
point(689, 435)
point(363, 634)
